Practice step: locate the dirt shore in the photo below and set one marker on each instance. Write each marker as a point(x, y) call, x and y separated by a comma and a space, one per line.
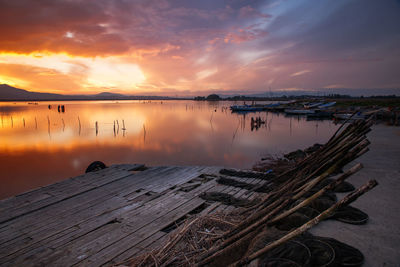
point(379, 239)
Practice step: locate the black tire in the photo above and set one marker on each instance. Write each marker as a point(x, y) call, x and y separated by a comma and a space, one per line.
point(95, 166)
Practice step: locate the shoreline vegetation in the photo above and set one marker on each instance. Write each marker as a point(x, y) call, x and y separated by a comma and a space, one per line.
point(12, 94)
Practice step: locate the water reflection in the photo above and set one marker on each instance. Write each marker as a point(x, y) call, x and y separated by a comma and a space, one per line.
point(40, 145)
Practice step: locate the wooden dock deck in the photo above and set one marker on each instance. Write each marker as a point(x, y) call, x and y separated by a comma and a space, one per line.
point(105, 217)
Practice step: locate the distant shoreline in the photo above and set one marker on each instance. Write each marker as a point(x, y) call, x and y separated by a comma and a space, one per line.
point(12, 94)
point(340, 102)
point(72, 99)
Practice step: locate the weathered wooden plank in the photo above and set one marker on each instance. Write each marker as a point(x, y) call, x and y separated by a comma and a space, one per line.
point(106, 254)
point(105, 206)
point(134, 250)
point(145, 245)
point(235, 192)
point(37, 194)
point(81, 202)
point(184, 175)
point(14, 245)
point(244, 194)
point(106, 179)
point(75, 187)
point(107, 234)
point(221, 207)
point(219, 188)
point(112, 191)
point(127, 240)
point(60, 239)
point(65, 235)
point(156, 239)
point(29, 197)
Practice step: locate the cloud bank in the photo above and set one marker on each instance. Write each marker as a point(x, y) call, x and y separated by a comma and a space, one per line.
point(179, 47)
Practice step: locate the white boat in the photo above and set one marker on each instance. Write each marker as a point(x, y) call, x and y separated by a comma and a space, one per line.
point(327, 105)
point(313, 105)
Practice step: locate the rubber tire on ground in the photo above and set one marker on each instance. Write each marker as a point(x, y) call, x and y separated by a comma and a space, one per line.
point(95, 166)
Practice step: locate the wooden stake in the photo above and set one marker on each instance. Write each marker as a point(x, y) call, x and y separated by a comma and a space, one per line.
point(79, 121)
point(314, 182)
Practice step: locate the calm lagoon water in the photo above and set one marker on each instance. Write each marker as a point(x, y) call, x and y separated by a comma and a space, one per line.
point(39, 146)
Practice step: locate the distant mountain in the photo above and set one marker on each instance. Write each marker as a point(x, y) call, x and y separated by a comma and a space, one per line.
point(107, 94)
point(9, 93)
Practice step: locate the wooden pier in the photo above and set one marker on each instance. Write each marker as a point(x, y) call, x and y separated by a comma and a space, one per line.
point(105, 217)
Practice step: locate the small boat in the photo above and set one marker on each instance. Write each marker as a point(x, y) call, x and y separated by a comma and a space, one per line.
point(327, 105)
point(299, 111)
point(346, 116)
point(272, 105)
point(313, 105)
point(275, 107)
point(246, 108)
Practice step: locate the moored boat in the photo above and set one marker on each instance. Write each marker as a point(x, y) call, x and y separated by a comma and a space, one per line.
point(346, 116)
point(327, 105)
point(246, 108)
point(312, 105)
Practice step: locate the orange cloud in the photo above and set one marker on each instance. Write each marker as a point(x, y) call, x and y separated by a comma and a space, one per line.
point(60, 73)
point(41, 79)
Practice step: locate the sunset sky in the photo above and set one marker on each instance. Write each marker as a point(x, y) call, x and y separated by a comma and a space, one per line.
point(192, 47)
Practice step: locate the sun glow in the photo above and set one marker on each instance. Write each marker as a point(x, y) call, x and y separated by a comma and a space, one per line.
point(12, 81)
point(95, 73)
point(107, 73)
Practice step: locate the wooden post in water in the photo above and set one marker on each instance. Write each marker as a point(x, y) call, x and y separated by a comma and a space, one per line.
point(212, 128)
point(12, 122)
point(35, 123)
point(79, 121)
point(97, 128)
point(23, 121)
point(123, 128)
point(48, 125)
point(144, 134)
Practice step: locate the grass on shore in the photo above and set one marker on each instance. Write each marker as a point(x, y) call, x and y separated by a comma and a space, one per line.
point(369, 102)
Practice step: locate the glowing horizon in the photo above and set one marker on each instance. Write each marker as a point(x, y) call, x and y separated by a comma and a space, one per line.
point(189, 47)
